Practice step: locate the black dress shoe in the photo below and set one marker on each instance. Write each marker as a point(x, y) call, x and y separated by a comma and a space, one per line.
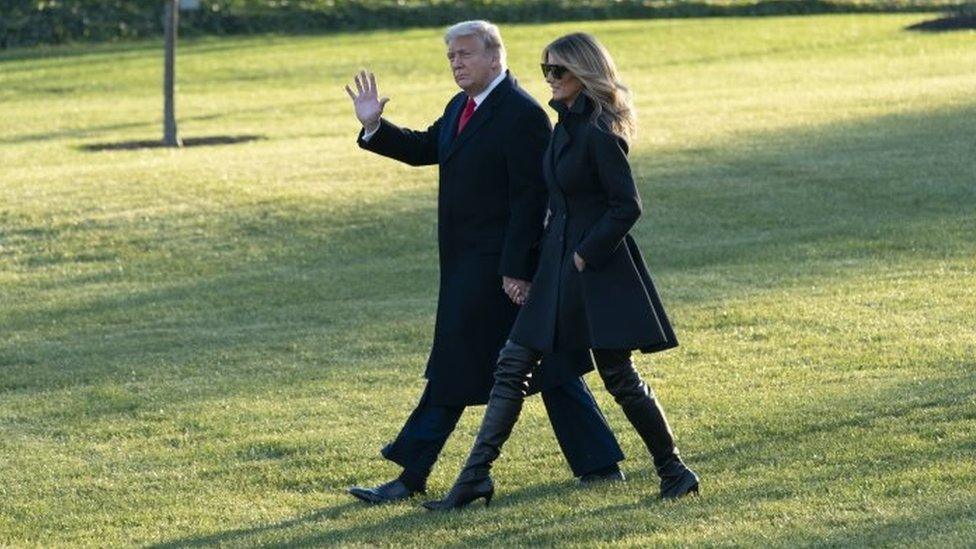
point(597, 478)
point(384, 493)
point(463, 494)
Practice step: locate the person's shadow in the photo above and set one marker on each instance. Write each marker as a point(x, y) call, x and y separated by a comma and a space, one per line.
point(405, 526)
point(241, 534)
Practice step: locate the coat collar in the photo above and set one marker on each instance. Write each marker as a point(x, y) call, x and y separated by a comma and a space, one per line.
point(583, 105)
point(481, 115)
point(562, 135)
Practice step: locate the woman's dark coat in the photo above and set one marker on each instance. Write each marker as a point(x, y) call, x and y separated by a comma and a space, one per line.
point(612, 303)
point(491, 203)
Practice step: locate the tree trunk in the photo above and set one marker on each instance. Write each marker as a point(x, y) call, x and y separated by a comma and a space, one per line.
point(171, 20)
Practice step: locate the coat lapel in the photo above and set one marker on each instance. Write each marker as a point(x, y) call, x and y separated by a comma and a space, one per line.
point(562, 138)
point(480, 117)
point(549, 166)
point(449, 128)
point(560, 141)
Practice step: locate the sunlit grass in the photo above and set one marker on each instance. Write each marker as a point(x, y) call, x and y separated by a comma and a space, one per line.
point(207, 346)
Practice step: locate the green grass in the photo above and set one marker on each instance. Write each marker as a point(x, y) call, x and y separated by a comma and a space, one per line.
point(207, 346)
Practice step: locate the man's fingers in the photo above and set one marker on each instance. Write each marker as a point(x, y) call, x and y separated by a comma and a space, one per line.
point(365, 77)
point(349, 91)
point(372, 82)
point(383, 102)
point(359, 84)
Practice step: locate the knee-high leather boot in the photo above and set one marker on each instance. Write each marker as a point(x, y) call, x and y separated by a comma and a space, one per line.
point(637, 400)
point(515, 364)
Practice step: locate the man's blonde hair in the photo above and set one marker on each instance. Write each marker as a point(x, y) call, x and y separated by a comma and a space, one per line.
point(489, 34)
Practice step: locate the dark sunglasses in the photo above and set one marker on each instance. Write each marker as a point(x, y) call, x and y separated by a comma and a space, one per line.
point(557, 70)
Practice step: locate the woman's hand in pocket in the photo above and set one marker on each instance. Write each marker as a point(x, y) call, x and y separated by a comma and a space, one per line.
point(579, 261)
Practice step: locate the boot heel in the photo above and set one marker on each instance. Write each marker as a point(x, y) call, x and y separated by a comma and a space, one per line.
point(462, 495)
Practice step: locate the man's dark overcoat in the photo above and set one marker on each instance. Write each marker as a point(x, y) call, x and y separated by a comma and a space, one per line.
point(491, 201)
point(612, 303)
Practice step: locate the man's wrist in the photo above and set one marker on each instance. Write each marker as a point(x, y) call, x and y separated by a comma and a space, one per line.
point(370, 128)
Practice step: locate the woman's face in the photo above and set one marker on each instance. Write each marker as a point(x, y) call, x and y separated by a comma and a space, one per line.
point(564, 89)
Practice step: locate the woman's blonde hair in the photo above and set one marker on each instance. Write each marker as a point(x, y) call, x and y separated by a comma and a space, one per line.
point(589, 61)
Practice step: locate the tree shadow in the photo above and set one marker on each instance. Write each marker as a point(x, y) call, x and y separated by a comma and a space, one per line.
point(86, 132)
point(946, 24)
point(78, 55)
point(207, 141)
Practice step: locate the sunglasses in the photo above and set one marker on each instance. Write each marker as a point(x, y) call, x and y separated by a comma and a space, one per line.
point(557, 70)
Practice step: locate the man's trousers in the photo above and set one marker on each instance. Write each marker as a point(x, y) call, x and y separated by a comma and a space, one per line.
point(579, 425)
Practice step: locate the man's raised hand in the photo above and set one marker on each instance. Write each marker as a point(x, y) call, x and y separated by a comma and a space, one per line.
point(368, 104)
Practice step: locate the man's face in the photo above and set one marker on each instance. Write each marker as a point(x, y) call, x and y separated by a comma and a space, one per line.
point(473, 67)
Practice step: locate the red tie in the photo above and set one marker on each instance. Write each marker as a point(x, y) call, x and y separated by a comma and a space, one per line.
point(466, 114)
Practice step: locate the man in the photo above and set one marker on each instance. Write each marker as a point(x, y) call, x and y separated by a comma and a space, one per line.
point(491, 202)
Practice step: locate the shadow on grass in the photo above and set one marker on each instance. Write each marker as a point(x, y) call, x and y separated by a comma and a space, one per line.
point(775, 209)
point(87, 132)
point(369, 531)
point(791, 448)
point(830, 418)
point(946, 24)
point(208, 141)
point(84, 132)
point(921, 529)
point(79, 55)
point(898, 188)
point(242, 534)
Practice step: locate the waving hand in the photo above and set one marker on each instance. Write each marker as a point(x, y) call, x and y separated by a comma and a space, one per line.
point(366, 101)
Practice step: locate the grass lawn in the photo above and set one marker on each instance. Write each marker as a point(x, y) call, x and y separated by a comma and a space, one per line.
point(208, 346)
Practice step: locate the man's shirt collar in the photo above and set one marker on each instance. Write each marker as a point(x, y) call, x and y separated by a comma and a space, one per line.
point(478, 99)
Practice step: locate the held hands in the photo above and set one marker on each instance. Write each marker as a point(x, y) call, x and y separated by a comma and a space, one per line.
point(517, 290)
point(579, 262)
point(368, 105)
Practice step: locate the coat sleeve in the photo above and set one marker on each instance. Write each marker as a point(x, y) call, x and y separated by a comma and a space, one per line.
point(526, 194)
point(417, 148)
point(608, 152)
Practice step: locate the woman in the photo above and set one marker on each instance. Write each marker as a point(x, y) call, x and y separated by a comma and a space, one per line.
point(591, 290)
